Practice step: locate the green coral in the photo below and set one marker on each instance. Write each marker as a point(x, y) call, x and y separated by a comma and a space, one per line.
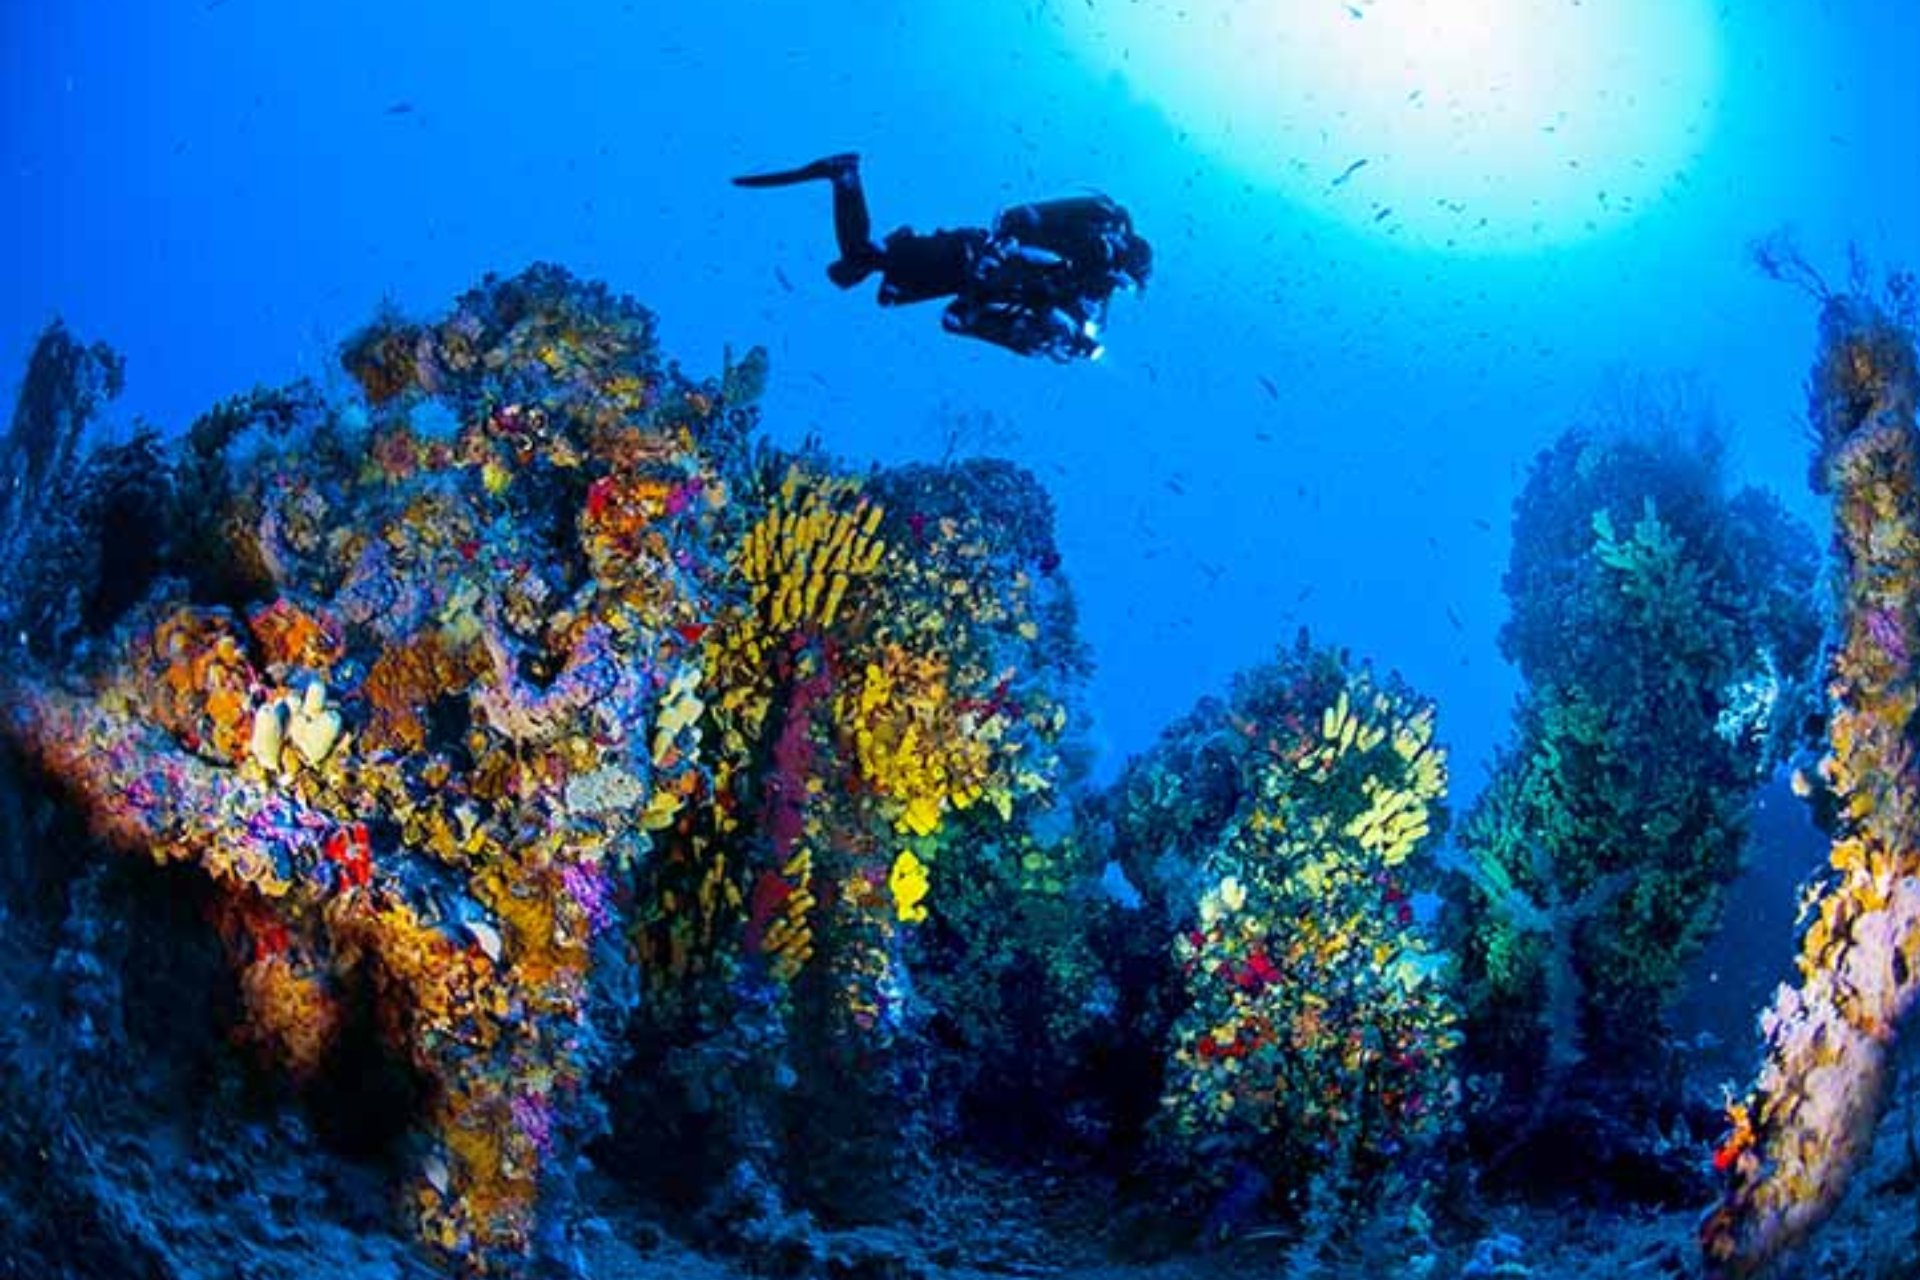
point(1652, 615)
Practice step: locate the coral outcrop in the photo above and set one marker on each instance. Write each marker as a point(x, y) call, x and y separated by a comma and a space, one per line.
point(1313, 1030)
point(526, 696)
point(1807, 1122)
point(1663, 627)
point(402, 757)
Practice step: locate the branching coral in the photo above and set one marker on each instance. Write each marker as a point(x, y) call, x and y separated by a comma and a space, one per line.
point(1810, 1116)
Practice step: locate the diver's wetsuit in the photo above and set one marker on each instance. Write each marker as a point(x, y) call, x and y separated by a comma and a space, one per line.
point(1037, 283)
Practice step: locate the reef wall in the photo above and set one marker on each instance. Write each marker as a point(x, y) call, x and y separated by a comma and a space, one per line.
point(524, 748)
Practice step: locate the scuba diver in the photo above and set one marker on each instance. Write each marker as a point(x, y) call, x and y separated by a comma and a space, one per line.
point(1036, 284)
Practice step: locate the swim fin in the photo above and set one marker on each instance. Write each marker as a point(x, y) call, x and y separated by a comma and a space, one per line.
point(833, 168)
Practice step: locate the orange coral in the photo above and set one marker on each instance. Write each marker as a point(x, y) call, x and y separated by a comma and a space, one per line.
point(292, 636)
point(205, 691)
point(405, 680)
point(382, 359)
point(291, 1014)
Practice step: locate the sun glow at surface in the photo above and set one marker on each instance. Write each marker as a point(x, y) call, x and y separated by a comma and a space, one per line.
point(1474, 125)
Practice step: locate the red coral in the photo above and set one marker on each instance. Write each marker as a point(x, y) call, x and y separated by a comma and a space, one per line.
point(351, 849)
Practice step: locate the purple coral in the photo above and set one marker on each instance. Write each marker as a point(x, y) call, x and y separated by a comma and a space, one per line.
point(533, 1116)
point(586, 883)
point(1883, 625)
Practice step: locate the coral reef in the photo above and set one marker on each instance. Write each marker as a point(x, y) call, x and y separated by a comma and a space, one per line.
point(890, 694)
point(1808, 1121)
point(527, 777)
point(1310, 1050)
point(1661, 626)
point(401, 767)
point(81, 529)
point(527, 701)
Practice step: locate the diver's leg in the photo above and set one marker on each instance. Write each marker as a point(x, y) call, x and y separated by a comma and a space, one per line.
point(852, 224)
point(859, 257)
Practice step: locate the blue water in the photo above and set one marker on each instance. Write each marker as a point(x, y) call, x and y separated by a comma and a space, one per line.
point(1304, 421)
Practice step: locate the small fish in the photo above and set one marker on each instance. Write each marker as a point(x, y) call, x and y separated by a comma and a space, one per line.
point(1174, 486)
point(1348, 172)
point(781, 276)
point(1485, 526)
point(1305, 593)
point(1265, 437)
point(1386, 211)
point(1273, 392)
point(400, 109)
point(1454, 618)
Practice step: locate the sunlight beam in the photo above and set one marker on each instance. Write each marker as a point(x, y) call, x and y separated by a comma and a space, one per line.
point(1479, 126)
